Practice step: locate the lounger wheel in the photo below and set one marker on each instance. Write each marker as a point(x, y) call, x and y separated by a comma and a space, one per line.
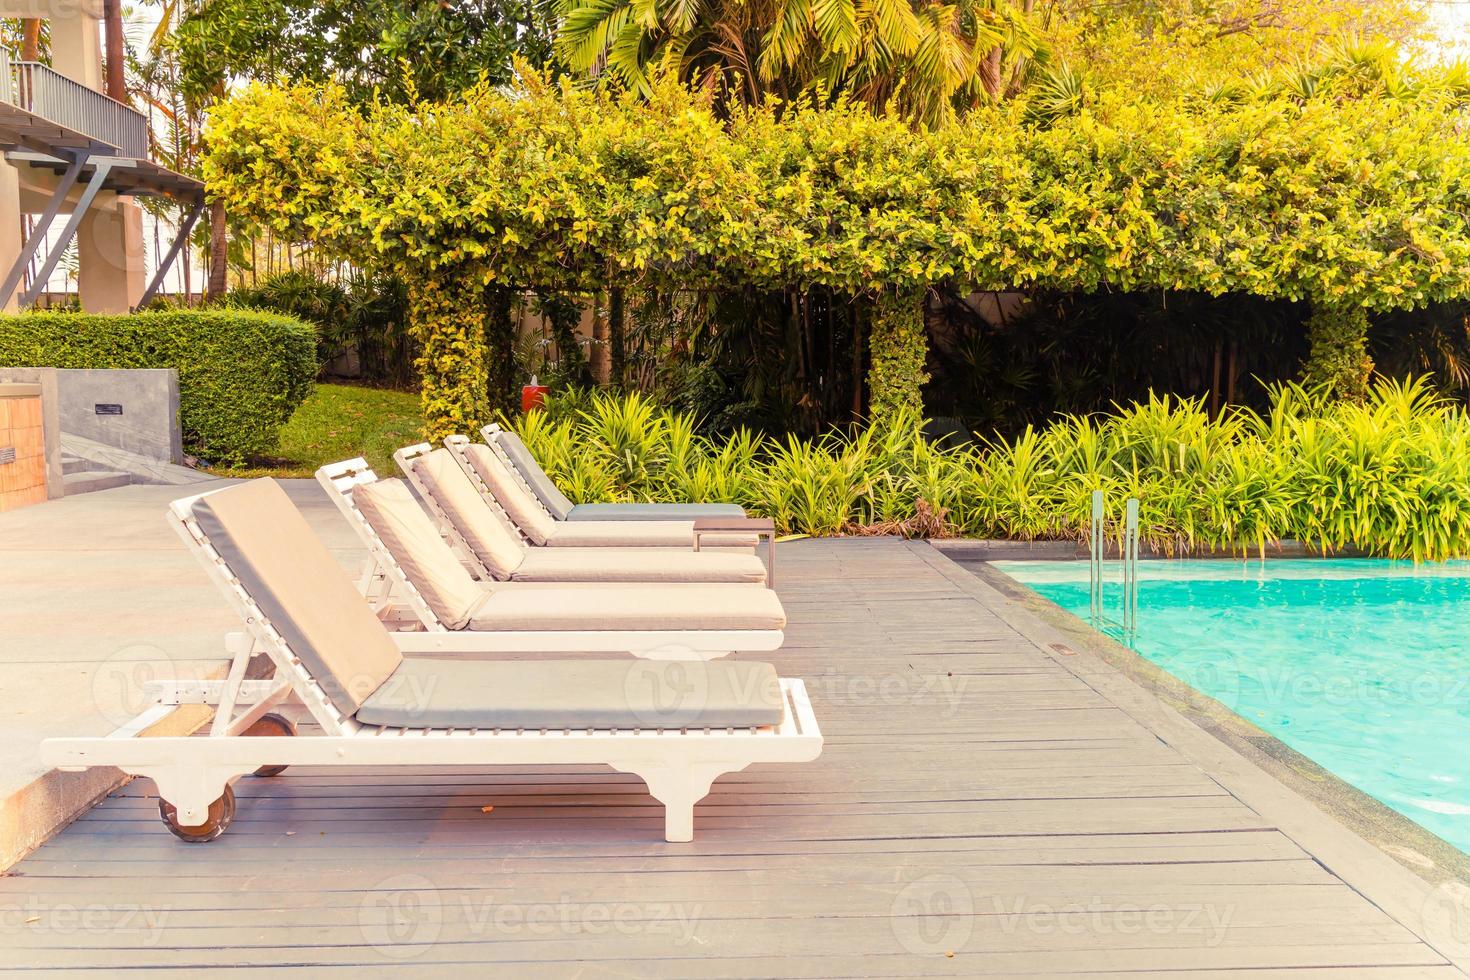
point(272, 725)
point(221, 815)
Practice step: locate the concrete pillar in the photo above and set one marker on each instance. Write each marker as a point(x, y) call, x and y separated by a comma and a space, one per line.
point(110, 274)
point(10, 228)
point(76, 42)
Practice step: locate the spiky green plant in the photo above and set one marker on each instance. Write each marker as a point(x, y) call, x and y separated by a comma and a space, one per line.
point(1387, 476)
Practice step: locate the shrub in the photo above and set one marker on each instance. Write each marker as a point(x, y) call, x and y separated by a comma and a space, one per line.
point(1350, 197)
point(362, 312)
point(1389, 476)
point(241, 373)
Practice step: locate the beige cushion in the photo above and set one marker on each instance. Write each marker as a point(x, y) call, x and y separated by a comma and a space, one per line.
point(494, 543)
point(577, 694)
point(640, 534)
point(651, 607)
point(523, 508)
point(637, 565)
point(419, 550)
point(304, 593)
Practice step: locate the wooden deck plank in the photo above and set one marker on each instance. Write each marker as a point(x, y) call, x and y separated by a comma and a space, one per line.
point(831, 968)
point(975, 797)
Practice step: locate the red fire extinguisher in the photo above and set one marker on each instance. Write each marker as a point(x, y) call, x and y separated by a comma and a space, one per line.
point(533, 395)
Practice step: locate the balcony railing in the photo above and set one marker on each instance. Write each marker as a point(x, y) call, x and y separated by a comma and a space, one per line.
point(47, 93)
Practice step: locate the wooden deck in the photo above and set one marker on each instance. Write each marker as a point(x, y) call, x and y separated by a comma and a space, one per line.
point(986, 805)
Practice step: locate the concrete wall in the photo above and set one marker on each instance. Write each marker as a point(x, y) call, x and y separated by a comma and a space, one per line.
point(149, 402)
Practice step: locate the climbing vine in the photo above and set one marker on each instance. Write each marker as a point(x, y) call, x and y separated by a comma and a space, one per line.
point(900, 346)
point(1339, 360)
point(447, 315)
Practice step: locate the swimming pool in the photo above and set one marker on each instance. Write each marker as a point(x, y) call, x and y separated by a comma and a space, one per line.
point(1361, 665)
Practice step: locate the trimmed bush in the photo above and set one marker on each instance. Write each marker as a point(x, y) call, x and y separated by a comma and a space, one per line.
point(241, 372)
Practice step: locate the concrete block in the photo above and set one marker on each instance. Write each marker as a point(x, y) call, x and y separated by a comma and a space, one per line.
point(148, 400)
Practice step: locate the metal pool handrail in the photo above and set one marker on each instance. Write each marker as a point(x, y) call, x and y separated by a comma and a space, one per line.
point(1097, 546)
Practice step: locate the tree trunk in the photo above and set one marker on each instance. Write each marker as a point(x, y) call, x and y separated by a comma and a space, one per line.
point(30, 43)
point(597, 353)
point(219, 252)
point(1215, 381)
point(1339, 358)
point(990, 72)
point(616, 337)
point(898, 345)
point(117, 85)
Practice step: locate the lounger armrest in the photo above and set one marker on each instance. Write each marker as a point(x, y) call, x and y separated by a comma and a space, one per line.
point(759, 526)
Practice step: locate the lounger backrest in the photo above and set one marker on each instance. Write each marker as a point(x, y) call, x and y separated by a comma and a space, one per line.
point(486, 533)
point(416, 545)
point(309, 600)
point(541, 485)
point(529, 516)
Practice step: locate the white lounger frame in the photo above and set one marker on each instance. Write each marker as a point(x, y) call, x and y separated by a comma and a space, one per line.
point(458, 444)
point(192, 772)
point(339, 479)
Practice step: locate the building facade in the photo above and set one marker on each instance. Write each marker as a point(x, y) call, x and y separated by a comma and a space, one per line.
point(75, 162)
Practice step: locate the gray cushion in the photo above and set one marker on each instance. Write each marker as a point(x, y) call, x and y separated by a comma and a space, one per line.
point(535, 477)
point(300, 588)
point(651, 512)
point(577, 694)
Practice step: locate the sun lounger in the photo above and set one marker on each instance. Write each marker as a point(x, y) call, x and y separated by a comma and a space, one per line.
point(500, 485)
point(484, 535)
point(676, 725)
point(515, 454)
point(422, 573)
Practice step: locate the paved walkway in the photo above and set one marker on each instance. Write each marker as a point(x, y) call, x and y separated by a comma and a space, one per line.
point(97, 595)
point(988, 803)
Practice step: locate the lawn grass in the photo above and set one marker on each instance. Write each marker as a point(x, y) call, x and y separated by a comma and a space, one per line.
point(339, 422)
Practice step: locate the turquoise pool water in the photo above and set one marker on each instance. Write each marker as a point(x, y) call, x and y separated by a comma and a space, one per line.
point(1363, 666)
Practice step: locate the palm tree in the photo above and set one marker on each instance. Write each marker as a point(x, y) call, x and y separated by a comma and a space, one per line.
point(923, 57)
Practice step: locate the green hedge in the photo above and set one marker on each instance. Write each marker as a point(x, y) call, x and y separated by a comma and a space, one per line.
point(241, 372)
